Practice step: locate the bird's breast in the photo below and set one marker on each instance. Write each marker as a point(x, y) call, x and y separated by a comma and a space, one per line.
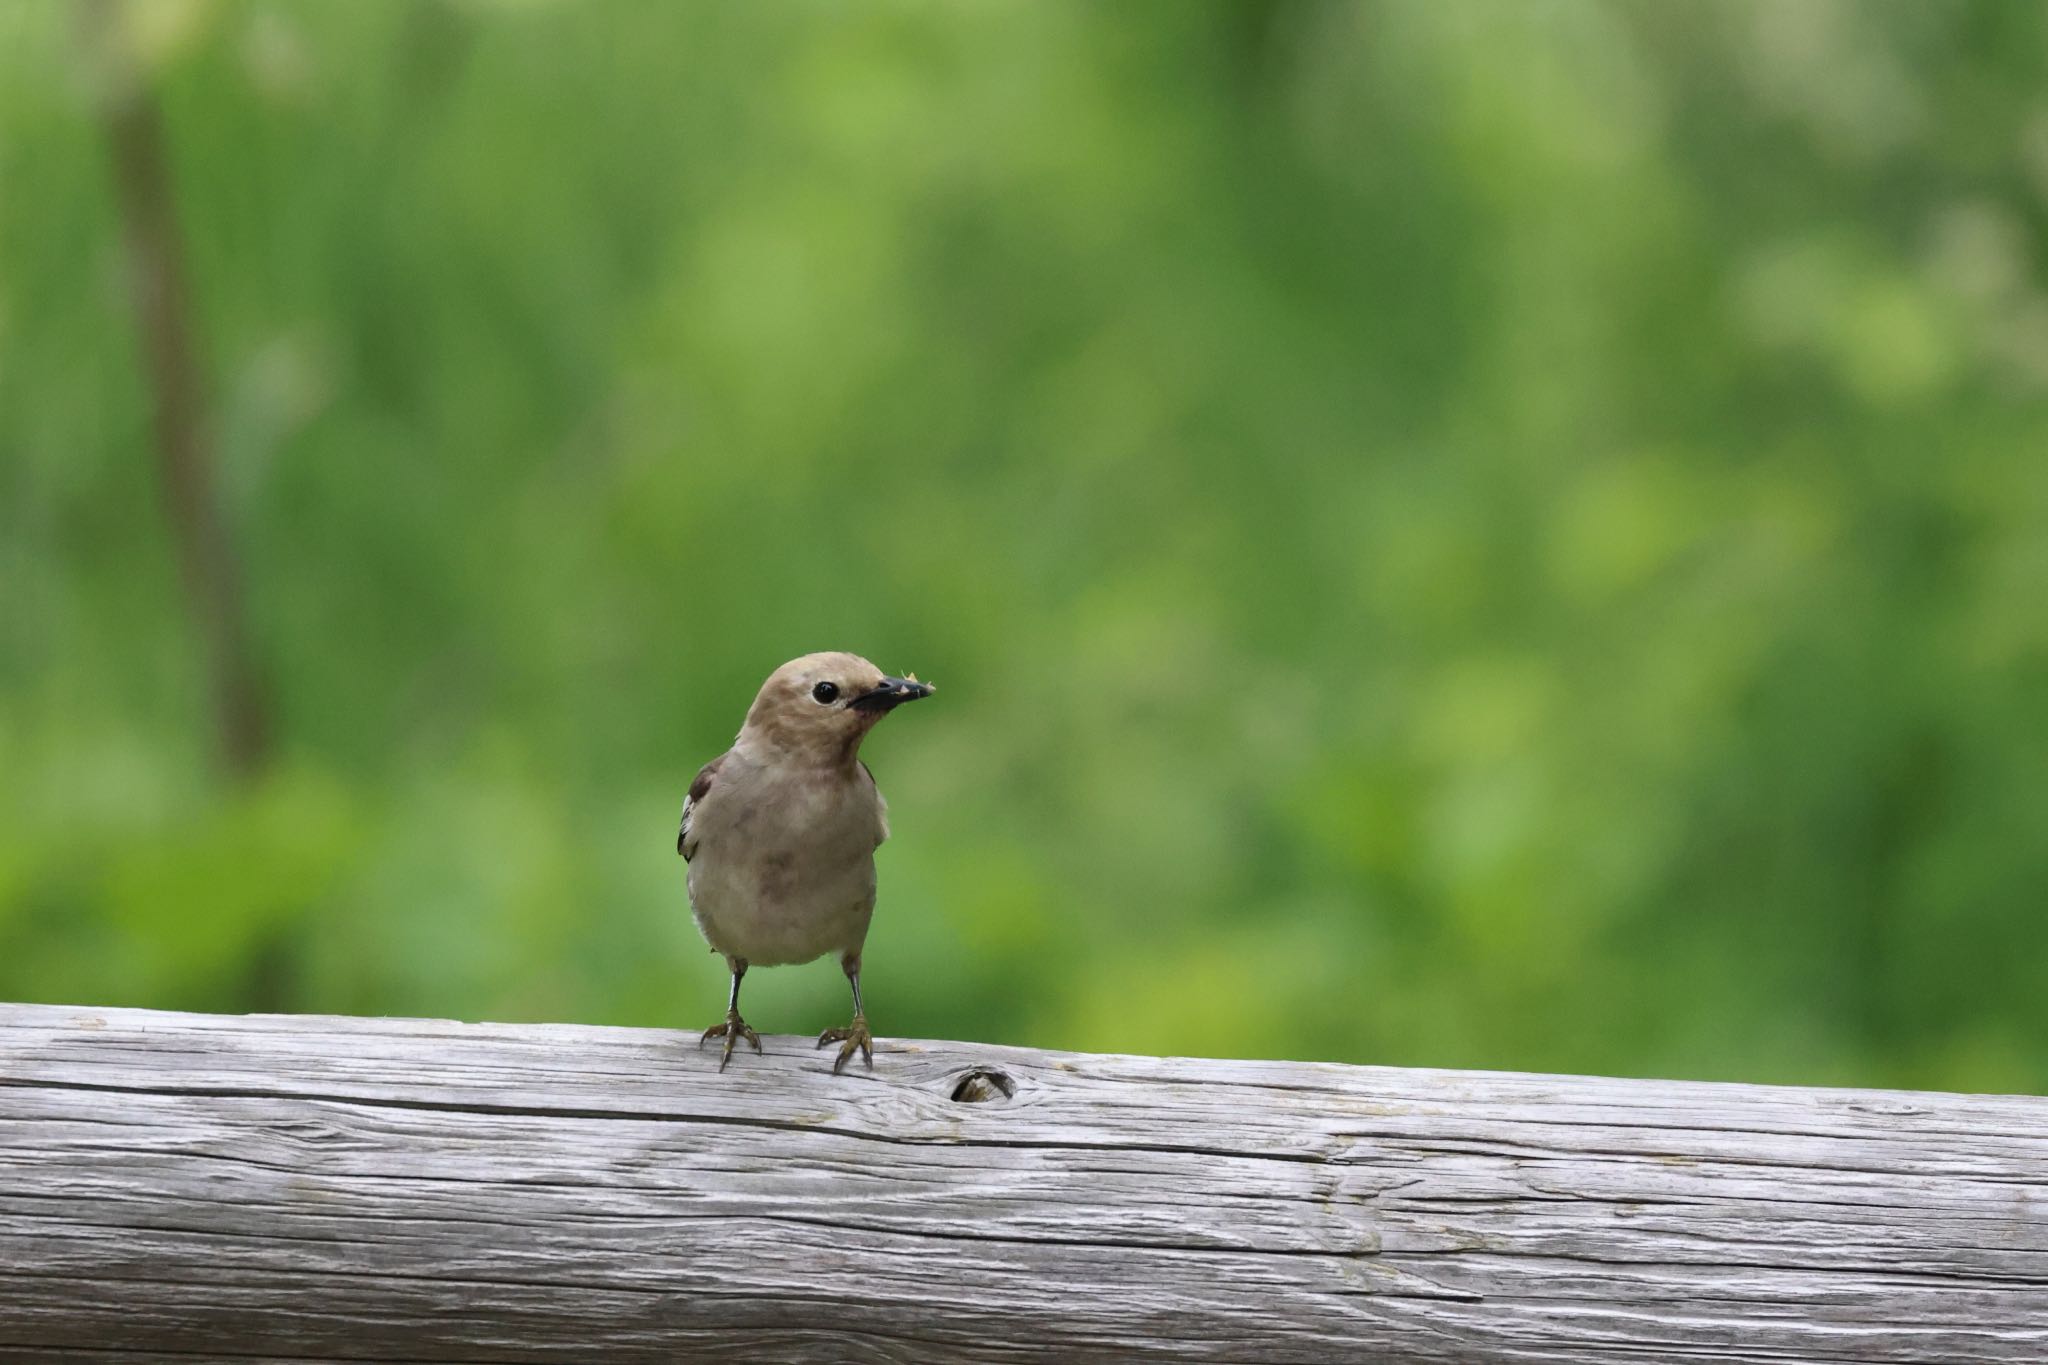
point(785, 877)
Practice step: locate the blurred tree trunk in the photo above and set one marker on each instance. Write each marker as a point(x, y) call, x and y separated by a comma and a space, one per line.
point(183, 430)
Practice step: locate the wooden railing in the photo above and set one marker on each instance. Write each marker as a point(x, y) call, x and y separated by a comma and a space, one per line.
point(178, 1186)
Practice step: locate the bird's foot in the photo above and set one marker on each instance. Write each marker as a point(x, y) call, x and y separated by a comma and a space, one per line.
point(856, 1038)
point(732, 1030)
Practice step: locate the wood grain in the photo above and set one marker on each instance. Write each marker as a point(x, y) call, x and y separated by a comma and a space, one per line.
point(177, 1186)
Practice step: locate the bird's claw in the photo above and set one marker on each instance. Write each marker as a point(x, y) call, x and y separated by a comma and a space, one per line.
point(732, 1030)
point(856, 1038)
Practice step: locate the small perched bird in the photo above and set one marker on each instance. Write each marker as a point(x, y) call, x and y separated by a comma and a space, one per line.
point(780, 833)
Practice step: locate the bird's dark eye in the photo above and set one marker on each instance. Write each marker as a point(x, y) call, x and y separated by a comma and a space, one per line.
point(825, 693)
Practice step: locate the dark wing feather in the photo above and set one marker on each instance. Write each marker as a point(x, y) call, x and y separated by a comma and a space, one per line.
point(698, 789)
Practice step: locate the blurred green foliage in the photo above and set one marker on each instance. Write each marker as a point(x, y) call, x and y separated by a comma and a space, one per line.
point(1489, 535)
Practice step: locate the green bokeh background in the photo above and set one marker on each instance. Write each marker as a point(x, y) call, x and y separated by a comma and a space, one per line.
point(1504, 535)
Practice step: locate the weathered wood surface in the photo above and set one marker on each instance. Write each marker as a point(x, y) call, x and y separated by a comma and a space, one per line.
point(179, 1186)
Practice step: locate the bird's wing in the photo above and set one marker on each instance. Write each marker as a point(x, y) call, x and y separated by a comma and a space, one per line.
point(881, 807)
point(699, 789)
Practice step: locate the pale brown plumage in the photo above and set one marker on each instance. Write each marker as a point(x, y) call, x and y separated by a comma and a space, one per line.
point(780, 832)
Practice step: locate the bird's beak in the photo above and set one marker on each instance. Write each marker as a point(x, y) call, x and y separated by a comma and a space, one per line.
point(890, 693)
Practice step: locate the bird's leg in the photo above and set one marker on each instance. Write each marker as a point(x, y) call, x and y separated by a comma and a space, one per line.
point(855, 1035)
point(734, 1028)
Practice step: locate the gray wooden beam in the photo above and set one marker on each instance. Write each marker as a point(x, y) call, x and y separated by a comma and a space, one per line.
point(177, 1186)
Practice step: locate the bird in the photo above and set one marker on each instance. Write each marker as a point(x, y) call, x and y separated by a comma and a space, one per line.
point(780, 833)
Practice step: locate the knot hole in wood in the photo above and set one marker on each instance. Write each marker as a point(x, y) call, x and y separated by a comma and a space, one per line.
point(984, 1085)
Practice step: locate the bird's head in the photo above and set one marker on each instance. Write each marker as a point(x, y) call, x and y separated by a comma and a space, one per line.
point(820, 706)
